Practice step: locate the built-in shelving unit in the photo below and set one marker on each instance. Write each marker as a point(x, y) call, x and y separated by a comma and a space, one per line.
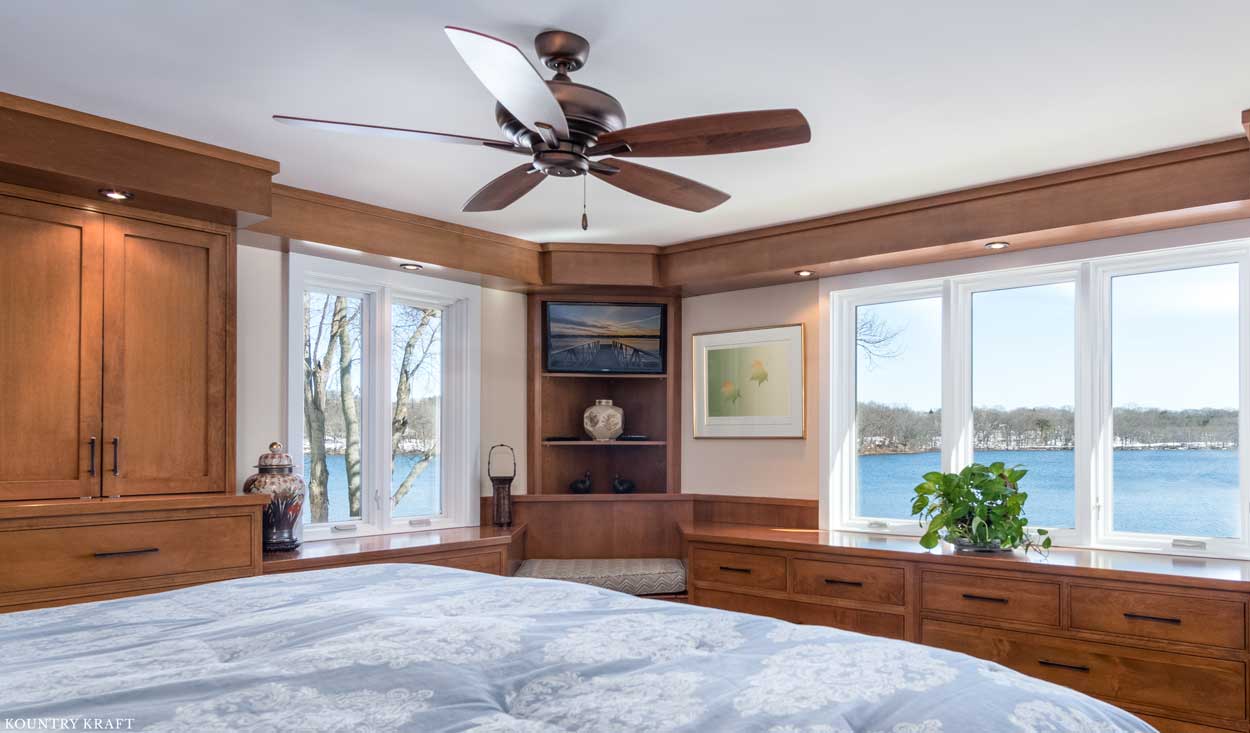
point(650, 403)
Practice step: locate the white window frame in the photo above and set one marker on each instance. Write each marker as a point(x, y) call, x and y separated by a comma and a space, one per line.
point(1092, 402)
point(460, 433)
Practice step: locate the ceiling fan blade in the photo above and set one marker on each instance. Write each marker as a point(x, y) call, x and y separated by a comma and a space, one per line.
point(402, 132)
point(661, 186)
point(511, 78)
point(733, 132)
point(505, 189)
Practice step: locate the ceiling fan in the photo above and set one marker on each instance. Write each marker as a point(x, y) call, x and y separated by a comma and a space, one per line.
point(569, 129)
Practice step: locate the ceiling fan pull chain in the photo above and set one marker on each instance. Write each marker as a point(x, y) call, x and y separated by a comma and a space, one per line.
point(585, 219)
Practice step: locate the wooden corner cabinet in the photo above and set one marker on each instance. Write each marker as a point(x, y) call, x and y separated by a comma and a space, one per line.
point(651, 403)
point(1163, 637)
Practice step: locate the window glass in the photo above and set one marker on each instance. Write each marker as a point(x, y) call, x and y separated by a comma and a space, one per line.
point(1023, 392)
point(1174, 386)
point(332, 406)
point(898, 412)
point(416, 379)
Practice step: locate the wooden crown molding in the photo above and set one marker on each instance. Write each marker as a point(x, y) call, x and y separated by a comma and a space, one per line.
point(67, 151)
point(1245, 121)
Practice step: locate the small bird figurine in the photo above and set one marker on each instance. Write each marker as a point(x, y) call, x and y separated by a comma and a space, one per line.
point(581, 485)
point(623, 485)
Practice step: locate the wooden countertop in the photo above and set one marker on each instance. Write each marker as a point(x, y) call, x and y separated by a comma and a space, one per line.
point(381, 547)
point(1215, 573)
point(67, 507)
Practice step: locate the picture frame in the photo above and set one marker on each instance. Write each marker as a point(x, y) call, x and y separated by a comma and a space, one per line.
point(750, 383)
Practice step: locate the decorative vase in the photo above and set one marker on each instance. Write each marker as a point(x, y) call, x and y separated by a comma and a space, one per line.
point(284, 526)
point(502, 488)
point(603, 421)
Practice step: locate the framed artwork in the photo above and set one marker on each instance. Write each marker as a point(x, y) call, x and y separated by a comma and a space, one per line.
point(749, 383)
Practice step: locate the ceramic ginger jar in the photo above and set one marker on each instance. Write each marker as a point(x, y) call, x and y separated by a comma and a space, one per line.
point(284, 526)
point(603, 421)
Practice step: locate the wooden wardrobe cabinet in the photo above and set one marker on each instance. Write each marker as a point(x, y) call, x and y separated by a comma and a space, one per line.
point(113, 355)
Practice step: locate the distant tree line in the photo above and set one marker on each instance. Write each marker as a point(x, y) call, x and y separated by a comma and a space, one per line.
point(897, 429)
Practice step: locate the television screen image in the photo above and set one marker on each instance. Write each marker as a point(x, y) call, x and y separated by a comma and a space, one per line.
point(619, 338)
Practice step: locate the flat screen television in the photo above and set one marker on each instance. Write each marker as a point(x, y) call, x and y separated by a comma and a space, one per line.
point(612, 338)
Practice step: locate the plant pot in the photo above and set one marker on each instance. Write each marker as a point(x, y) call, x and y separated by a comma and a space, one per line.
point(963, 544)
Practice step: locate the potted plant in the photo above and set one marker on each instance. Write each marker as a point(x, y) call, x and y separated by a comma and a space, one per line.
point(980, 509)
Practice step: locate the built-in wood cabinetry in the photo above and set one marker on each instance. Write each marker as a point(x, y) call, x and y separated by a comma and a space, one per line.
point(1163, 637)
point(114, 355)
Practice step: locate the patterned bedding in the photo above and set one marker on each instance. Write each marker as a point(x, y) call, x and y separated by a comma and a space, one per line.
point(421, 648)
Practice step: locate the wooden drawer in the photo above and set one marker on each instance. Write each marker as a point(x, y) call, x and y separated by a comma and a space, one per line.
point(865, 622)
point(738, 568)
point(63, 556)
point(853, 581)
point(1179, 682)
point(1193, 619)
point(1006, 599)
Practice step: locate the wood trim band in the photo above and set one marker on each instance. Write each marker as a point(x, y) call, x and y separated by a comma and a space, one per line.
point(54, 142)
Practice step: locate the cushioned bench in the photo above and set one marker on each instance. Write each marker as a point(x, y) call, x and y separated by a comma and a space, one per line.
point(639, 577)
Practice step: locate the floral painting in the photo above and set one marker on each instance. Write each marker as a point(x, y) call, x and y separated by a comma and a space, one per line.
point(749, 383)
point(748, 380)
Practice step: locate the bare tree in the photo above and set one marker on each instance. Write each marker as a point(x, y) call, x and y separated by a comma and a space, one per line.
point(349, 350)
point(414, 426)
point(316, 369)
point(876, 339)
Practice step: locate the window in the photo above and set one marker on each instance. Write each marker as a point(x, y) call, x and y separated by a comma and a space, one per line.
point(1119, 382)
point(898, 401)
point(1024, 391)
point(384, 397)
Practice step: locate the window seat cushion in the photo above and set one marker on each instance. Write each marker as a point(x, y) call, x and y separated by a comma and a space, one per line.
point(640, 577)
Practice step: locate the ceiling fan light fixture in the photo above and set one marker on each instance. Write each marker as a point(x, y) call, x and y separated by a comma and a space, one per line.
point(116, 194)
point(410, 266)
point(997, 245)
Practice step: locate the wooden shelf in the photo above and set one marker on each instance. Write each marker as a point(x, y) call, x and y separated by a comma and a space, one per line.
point(597, 375)
point(604, 444)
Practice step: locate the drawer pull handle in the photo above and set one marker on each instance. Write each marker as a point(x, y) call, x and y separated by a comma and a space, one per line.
point(835, 581)
point(91, 455)
point(1061, 665)
point(984, 599)
point(1156, 619)
point(124, 553)
point(116, 466)
point(729, 569)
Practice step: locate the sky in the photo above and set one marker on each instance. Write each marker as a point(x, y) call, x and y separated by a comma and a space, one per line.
point(1174, 345)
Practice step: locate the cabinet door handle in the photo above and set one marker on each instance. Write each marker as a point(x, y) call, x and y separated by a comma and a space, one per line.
point(124, 553)
point(983, 599)
point(91, 456)
point(1061, 665)
point(1156, 619)
point(116, 466)
point(835, 581)
point(729, 569)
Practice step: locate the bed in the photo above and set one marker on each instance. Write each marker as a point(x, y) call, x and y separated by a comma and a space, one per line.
point(423, 648)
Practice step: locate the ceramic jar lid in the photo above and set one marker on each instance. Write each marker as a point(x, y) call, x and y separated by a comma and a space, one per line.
point(275, 458)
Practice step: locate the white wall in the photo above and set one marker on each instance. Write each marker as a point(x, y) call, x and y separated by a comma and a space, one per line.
point(262, 389)
point(773, 467)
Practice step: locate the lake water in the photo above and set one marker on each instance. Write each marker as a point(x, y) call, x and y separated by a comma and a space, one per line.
point(421, 500)
point(1191, 492)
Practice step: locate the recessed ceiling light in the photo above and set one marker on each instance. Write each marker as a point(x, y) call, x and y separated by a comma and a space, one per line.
point(998, 245)
point(804, 273)
point(116, 194)
point(409, 266)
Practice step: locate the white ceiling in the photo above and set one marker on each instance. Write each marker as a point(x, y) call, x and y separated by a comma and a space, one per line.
point(905, 98)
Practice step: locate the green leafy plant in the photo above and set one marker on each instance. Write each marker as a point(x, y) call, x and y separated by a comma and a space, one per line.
point(982, 505)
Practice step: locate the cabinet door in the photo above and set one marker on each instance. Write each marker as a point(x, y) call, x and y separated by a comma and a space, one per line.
point(164, 359)
point(51, 278)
